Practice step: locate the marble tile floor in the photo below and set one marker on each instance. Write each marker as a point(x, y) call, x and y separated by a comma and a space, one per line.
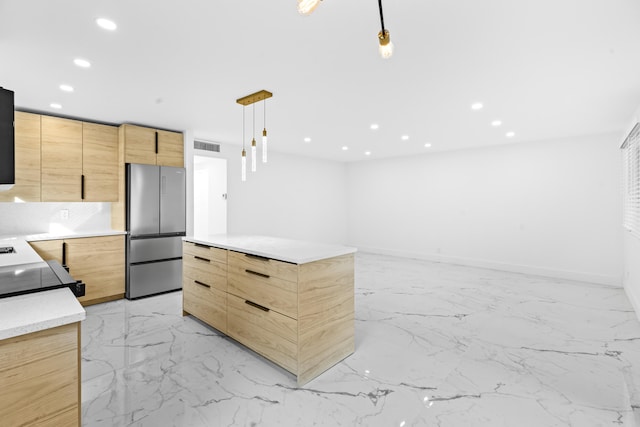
point(436, 345)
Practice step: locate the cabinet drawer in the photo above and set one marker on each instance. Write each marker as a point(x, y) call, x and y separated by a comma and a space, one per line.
point(269, 333)
point(267, 266)
point(271, 292)
point(207, 304)
point(206, 252)
point(211, 273)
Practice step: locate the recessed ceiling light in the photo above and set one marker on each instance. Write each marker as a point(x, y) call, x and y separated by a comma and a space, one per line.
point(82, 63)
point(66, 88)
point(427, 145)
point(55, 105)
point(476, 106)
point(107, 24)
point(405, 137)
point(307, 139)
point(367, 153)
point(496, 123)
point(345, 148)
point(374, 126)
point(510, 134)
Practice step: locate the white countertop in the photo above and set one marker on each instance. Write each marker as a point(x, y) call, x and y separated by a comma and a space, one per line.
point(294, 251)
point(24, 254)
point(24, 314)
point(72, 235)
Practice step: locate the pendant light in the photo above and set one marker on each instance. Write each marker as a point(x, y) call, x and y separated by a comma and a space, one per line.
point(264, 133)
point(244, 152)
point(385, 46)
point(253, 142)
point(244, 101)
point(306, 7)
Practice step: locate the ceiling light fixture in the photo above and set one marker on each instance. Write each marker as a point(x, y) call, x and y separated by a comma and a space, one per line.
point(385, 46)
point(55, 105)
point(248, 100)
point(345, 148)
point(66, 88)
point(306, 7)
point(307, 139)
point(374, 126)
point(367, 153)
point(427, 145)
point(510, 134)
point(405, 137)
point(496, 123)
point(83, 63)
point(106, 24)
point(477, 106)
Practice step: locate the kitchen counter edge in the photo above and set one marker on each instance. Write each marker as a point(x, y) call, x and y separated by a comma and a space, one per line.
point(25, 314)
point(288, 250)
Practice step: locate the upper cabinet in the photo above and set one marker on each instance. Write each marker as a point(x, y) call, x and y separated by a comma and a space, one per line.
point(152, 146)
point(79, 161)
point(27, 160)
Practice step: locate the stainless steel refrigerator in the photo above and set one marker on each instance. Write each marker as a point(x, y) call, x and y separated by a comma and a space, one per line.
point(156, 220)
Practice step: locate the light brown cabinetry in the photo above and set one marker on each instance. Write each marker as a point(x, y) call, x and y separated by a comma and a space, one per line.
point(300, 316)
point(152, 146)
point(79, 161)
point(97, 261)
point(27, 160)
point(40, 378)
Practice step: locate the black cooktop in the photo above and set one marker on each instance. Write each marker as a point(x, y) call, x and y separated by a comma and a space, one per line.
point(18, 281)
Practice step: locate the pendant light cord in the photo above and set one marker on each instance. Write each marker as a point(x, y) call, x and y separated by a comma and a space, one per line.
point(253, 134)
point(381, 16)
point(264, 110)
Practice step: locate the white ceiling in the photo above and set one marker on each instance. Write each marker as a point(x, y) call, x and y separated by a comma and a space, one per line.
point(546, 68)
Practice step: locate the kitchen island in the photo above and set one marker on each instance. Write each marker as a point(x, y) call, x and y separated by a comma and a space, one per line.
point(290, 301)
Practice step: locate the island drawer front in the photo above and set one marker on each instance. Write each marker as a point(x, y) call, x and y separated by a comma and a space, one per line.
point(266, 266)
point(271, 292)
point(207, 304)
point(204, 251)
point(212, 273)
point(267, 332)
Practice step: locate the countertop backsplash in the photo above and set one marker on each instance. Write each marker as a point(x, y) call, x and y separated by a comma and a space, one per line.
point(59, 218)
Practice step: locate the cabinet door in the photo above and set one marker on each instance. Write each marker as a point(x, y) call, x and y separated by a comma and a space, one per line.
point(99, 263)
point(61, 159)
point(100, 162)
point(170, 149)
point(27, 149)
point(49, 249)
point(140, 145)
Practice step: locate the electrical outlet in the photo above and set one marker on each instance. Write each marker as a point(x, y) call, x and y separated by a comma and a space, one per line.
point(64, 213)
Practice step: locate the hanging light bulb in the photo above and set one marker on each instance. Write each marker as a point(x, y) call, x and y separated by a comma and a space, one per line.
point(306, 7)
point(244, 165)
point(253, 142)
point(244, 153)
point(264, 134)
point(386, 47)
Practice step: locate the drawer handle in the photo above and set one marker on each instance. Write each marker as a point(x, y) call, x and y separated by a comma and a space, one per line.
point(201, 284)
point(253, 304)
point(200, 245)
point(266, 276)
point(258, 257)
point(201, 259)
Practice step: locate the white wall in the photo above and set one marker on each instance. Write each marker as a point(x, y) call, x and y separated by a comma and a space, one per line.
point(36, 218)
point(550, 208)
point(290, 196)
point(631, 246)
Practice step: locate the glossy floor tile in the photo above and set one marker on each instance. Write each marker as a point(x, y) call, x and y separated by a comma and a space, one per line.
point(436, 345)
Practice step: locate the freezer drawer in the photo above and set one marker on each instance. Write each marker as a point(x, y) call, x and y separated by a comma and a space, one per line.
point(156, 248)
point(154, 277)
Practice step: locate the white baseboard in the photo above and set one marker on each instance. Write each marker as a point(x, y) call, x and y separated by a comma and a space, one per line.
point(493, 265)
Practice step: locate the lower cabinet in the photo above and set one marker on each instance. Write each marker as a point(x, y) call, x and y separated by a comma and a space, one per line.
point(40, 378)
point(299, 316)
point(98, 261)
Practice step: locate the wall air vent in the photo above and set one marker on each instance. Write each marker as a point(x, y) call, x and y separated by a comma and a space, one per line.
point(207, 146)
